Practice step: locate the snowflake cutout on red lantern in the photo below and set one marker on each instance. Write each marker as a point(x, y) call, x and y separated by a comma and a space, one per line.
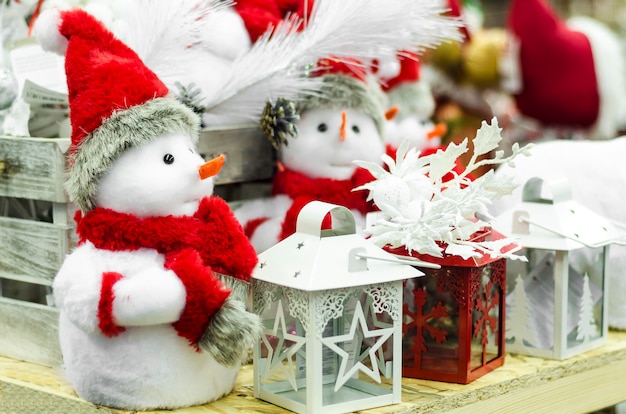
point(420, 320)
point(484, 304)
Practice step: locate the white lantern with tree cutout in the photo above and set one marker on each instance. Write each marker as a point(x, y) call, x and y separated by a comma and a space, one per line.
point(558, 304)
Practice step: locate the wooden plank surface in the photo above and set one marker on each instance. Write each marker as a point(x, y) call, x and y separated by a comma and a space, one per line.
point(32, 251)
point(523, 384)
point(249, 155)
point(29, 331)
point(33, 168)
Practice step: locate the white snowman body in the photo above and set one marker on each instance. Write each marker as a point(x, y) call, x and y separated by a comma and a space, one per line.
point(596, 175)
point(146, 300)
point(318, 151)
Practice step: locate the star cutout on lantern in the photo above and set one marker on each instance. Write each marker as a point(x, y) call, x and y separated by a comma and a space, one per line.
point(279, 353)
point(343, 374)
point(296, 274)
point(262, 265)
point(378, 321)
point(300, 245)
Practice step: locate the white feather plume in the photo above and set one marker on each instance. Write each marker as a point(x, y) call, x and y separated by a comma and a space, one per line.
point(185, 42)
point(277, 65)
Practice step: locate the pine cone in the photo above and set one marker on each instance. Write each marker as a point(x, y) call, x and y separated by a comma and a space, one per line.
point(191, 96)
point(278, 120)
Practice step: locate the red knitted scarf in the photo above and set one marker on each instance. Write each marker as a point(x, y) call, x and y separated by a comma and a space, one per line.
point(302, 189)
point(194, 246)
point(213, 231)
point(295, 184)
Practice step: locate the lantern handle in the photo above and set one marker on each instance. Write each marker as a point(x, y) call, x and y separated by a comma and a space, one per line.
point(311, 219)
point(558, 186)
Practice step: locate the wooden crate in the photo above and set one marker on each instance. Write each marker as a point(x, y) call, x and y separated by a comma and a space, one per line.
point(37, 227)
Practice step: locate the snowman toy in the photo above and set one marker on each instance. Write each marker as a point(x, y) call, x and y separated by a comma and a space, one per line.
point(335, 128)
point(414, 103)
point(149, 315)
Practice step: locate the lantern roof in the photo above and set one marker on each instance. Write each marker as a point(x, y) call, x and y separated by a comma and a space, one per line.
point(314, 258)
point(556, 223)
point(449, 260)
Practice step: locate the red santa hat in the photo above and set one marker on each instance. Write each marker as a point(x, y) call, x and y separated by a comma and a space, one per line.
point(116, 102)
point(261, 15)
point(408, 71)
point(570, 72)
point(456, 9)
point(404, 88)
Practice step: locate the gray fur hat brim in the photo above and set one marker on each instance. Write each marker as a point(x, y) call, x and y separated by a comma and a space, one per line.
point(124, 129)
point(342, 91)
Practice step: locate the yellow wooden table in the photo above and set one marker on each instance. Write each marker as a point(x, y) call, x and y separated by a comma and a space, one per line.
point(583, 383)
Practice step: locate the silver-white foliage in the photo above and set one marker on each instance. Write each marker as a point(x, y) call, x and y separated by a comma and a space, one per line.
point(426, 214)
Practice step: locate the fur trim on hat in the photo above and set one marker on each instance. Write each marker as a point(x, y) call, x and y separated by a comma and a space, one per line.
point(124, 129)
point(340, 91)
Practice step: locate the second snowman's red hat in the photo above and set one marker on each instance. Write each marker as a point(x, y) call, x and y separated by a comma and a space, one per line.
point(571, 72)
point(116, 102)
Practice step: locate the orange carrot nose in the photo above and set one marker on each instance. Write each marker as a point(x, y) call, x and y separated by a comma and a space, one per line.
point(211, 168)
point(392, 112)
point(342, 128)
point(438, 131)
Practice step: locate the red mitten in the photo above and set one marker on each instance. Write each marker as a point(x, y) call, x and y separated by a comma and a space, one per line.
point(205, 294)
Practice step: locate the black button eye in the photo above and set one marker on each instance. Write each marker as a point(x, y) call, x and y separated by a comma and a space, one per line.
point(356, 129)
point(322, 127)
point(168, 159)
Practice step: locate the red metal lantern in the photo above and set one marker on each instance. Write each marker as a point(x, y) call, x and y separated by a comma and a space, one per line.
point(453, 317)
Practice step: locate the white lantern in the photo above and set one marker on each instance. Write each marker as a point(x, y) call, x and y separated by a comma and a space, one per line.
point(331, 304)
point(557, 302)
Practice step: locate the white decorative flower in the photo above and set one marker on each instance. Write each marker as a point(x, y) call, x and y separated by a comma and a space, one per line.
point(423, 213)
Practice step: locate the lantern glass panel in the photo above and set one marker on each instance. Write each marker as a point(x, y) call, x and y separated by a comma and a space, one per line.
point(282, 350)
point(357, 350)
point(435, 313)
point(533, 296)
point(486, 321)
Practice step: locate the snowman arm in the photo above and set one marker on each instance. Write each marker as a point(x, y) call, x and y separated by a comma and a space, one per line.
point(153, 296)
point(205, 294)
point(77, 288)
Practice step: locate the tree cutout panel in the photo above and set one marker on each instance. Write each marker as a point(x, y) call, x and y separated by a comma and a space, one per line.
point(586, 328)
point(519, 327)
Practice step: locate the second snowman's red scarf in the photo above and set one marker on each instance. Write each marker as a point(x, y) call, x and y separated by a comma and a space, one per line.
point(194, 247)
point(295, 184)
point(302, 190)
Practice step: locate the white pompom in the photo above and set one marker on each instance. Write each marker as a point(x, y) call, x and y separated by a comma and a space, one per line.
point(46, 31)
point(392, 191)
